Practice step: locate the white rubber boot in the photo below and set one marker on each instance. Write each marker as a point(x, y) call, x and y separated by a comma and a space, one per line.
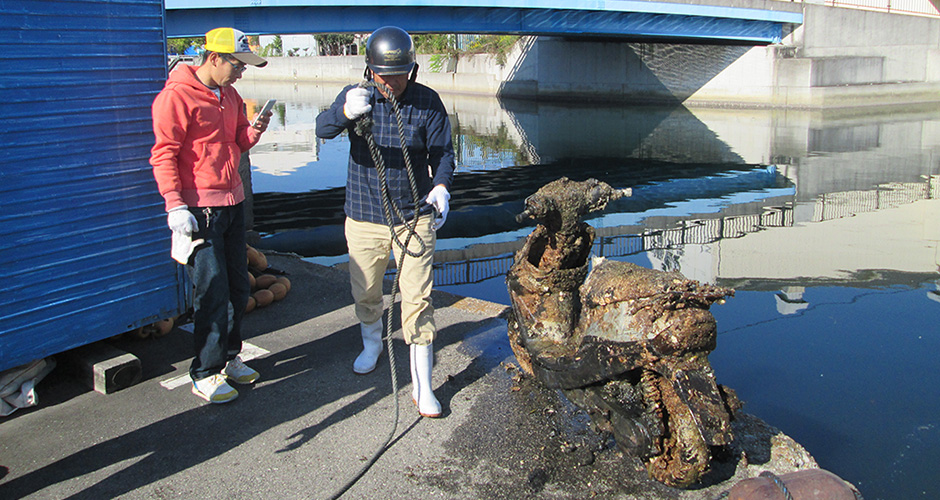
point(414, 375)
point(422, 360)
point(371, 348)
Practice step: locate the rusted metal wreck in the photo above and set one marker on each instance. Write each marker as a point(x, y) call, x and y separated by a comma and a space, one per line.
point(628, 345)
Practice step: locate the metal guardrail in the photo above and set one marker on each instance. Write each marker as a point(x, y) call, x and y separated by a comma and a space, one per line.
point(172, 61)
point(688, 232)
point(831, 206)
point(911, 7)
point(472, 271)
point(828, 206)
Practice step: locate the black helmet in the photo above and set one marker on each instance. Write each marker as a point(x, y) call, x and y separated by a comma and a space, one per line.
point(390, 51)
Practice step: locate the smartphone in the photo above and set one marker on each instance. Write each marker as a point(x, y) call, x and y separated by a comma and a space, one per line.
point(268, 106)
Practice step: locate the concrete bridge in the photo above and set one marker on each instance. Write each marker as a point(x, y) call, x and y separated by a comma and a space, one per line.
point(750, 53)
point(757, 22)
point(837, 58)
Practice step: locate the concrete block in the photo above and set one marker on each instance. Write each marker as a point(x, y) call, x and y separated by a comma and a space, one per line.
point(834, 71)
point(103, 367)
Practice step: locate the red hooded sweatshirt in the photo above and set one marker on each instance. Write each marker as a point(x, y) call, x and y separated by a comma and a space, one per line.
point(199, 142)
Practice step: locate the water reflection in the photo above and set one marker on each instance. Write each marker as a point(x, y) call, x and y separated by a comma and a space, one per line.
point(825, 223)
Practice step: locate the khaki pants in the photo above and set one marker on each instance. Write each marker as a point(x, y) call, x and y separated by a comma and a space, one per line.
point(370, 246)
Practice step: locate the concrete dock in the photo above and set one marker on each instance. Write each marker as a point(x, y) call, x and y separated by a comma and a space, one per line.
point(309, 424)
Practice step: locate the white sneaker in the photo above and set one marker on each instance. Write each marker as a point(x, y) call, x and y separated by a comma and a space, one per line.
point(214, 389)
point(239, 373)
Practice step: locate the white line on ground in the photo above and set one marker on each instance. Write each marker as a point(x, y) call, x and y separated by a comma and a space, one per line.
point(249, 352)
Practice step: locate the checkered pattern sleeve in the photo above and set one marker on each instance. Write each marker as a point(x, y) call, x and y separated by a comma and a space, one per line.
point(427, 135)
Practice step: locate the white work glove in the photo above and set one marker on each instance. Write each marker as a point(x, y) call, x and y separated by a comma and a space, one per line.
point(357, 103)
point(440, 199)
point(181, 220)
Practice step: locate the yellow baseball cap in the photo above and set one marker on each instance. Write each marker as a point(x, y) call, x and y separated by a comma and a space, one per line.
point(232, 41)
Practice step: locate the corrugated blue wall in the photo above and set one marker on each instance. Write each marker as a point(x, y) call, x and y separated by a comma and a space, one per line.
point(84, 248)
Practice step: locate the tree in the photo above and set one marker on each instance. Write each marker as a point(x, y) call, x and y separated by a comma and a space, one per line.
point(275, 48)
point(334, 44)
point(179, 45)
point(498, 45)
point(436, 44)
point(443, 47)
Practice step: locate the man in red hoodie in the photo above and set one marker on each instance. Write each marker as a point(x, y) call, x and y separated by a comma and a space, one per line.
point(201, 132)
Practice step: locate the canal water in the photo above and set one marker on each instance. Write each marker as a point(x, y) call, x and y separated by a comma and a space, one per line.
point(825, 223)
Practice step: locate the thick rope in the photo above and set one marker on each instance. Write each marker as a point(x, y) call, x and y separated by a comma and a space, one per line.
point(364, 129)
point(777, 482)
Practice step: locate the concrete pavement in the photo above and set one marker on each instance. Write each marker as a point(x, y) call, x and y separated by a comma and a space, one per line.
point(309, 424)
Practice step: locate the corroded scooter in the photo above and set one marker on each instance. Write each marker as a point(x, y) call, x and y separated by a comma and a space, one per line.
point(627, 344)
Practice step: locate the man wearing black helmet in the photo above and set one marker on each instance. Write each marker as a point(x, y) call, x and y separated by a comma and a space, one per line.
point(390, 61)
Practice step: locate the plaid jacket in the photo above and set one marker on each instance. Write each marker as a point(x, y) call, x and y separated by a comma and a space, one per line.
point(431, 150)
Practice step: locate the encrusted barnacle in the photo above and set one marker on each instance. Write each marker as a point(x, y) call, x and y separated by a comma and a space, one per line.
point(626, 343)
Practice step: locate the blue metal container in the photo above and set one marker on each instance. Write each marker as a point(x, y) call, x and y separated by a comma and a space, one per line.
point(84, 247)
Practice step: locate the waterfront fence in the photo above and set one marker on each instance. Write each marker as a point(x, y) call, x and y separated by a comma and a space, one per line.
point(828, 206)
point(911, 7)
